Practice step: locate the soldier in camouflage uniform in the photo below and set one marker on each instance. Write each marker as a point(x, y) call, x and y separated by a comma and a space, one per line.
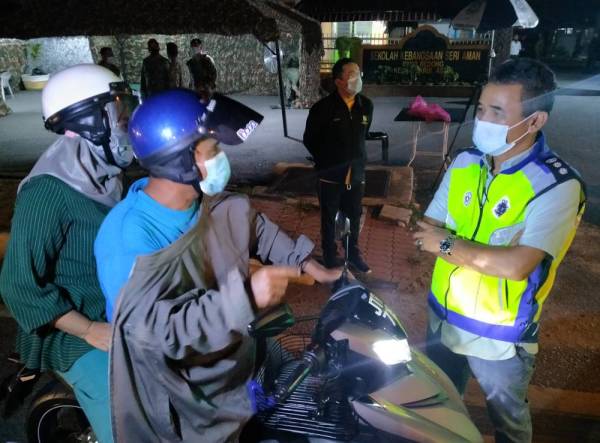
point(202, 70)
point(155, 71)
point(179, 76)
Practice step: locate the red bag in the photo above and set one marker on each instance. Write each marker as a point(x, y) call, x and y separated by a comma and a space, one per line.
point(419, 108)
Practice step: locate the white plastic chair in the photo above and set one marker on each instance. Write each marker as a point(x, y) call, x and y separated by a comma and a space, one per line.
point(5, 83)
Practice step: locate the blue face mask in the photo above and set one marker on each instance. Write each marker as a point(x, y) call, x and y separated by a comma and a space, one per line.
point(218, 172)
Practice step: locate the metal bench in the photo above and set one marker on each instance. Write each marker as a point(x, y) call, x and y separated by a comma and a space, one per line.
point(5, 83)
point(385, 144)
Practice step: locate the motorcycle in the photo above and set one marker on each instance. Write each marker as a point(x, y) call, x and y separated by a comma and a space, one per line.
point(355, 378)
point(54, 415)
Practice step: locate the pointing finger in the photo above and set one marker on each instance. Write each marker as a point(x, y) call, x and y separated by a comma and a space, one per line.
point(285, 271)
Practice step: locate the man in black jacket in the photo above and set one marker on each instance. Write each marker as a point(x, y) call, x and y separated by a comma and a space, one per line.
point(335, 135)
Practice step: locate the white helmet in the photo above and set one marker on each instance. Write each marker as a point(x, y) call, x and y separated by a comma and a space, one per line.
point(73, 85)
point(91, 101)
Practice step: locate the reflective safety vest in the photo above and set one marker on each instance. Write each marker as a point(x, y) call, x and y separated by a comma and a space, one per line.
point(489, 306)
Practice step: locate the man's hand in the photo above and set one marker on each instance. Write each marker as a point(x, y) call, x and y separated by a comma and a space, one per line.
point(98, 335)
point(429, 238)
point(269, 284)
point(320, 273)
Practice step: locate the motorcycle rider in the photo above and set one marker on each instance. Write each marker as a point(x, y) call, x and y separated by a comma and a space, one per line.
point(48, 280)
point(172, 261)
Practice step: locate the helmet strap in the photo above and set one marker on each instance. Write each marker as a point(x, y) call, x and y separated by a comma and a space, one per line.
point(190, 165)
point(98, 132)
point(197, 188)
point(179, 167)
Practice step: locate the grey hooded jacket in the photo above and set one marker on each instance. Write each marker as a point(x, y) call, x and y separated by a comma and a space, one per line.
point(181, 355)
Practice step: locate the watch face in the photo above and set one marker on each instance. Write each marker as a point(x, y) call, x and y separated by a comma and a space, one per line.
point(446, 245)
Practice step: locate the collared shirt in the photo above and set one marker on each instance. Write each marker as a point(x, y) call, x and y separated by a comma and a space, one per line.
point(349, 102)
point(548, 221)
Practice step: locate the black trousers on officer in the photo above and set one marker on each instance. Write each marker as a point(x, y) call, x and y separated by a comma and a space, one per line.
point(334, 197)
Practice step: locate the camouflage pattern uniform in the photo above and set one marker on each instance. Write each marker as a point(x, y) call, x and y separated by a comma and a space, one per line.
point(204, 74)
point(155, 75)
point(179, 76)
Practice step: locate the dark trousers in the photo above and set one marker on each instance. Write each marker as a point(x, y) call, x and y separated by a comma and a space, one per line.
point(504, 383)
point(334, 197)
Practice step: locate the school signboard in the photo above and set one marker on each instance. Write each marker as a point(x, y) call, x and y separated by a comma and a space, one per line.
point(425, 56)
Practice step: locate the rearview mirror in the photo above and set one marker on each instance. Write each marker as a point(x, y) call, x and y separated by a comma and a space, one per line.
point(342, 225)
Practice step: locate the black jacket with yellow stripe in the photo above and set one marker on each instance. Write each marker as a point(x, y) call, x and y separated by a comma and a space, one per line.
point(335, 136)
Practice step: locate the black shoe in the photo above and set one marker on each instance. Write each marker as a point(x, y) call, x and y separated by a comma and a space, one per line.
point(357, 264)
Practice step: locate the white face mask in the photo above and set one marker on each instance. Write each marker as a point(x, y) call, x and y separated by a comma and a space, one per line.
point(218, 172)
point(490, 138)
point(355, 85)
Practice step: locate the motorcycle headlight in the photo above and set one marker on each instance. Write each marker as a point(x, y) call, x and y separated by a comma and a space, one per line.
point(393, 351)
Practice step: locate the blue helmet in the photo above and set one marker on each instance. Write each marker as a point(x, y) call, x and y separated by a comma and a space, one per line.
point(164, 128)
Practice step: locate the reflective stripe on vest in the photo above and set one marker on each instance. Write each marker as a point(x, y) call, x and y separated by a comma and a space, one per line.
point(490, 306)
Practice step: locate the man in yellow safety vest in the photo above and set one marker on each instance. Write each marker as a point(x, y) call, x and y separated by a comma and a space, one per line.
point(500, 223)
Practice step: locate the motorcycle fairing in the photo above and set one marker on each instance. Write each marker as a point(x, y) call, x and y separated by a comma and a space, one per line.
point(354, 302)
point(426, 425)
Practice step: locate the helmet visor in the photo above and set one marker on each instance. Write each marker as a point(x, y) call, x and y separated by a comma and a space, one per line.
point(118, 112)
point(229, 121)
point(121, 106)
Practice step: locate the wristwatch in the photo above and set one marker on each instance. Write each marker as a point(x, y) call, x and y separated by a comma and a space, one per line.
point(447, 244)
